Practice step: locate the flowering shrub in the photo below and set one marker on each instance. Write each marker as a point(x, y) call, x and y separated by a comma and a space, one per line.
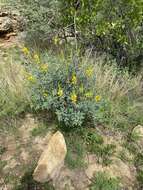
point(63, 86)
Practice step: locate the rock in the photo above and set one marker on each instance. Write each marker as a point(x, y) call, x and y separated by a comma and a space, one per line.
point(51, 160)
point(10, 34)
point(11, 21)
point(18, 22)
point(39, 143)
point(92, 169)
point(118, 168)
point(139, 131)
point(5, 24)
point(122, 170)
point(71, 179)
point(3, 13)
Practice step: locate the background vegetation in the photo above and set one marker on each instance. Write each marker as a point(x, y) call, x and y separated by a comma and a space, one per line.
point(114, 27)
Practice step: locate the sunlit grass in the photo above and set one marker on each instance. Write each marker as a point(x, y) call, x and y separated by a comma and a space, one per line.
point(123, 91)
point(14, 95)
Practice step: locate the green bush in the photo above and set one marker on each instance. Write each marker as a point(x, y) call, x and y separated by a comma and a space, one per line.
point(66, 87)
point(41, 20)
point(111, 26)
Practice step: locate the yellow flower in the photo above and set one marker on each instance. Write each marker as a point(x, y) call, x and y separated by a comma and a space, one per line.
point(45, 94)
point(89, 72)
point(73, 97)
point(113, 25)
point(25, 51)
point(31, 78)
point(74, 79)
point(97, 98)
point(36, 58)
point(56, 40)
point(89, 94)
point(60, 92)
point(44, 67)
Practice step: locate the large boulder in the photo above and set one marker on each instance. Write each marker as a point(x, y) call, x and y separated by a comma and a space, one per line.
point(5, 24)
point(10, 21)
point(51, 160)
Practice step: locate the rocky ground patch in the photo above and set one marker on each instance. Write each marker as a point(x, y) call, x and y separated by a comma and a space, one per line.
point(21, 150)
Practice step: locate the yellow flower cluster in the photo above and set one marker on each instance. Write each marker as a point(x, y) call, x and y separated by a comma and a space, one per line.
point(56, 40)
point(45, 94)
point(74, 79)
point(89, 72)
point(97, 98)
point(44, 67)
point(73, 97)
point(26, 51)
point(60, 92)
point(31, 78)
point(36, 58)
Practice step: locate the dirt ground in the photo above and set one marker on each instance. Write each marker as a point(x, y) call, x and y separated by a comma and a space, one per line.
point(21, 150)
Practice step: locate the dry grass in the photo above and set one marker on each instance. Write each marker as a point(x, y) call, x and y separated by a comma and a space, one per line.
point(13, 90)
point(115, 84)
point(123, 91)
